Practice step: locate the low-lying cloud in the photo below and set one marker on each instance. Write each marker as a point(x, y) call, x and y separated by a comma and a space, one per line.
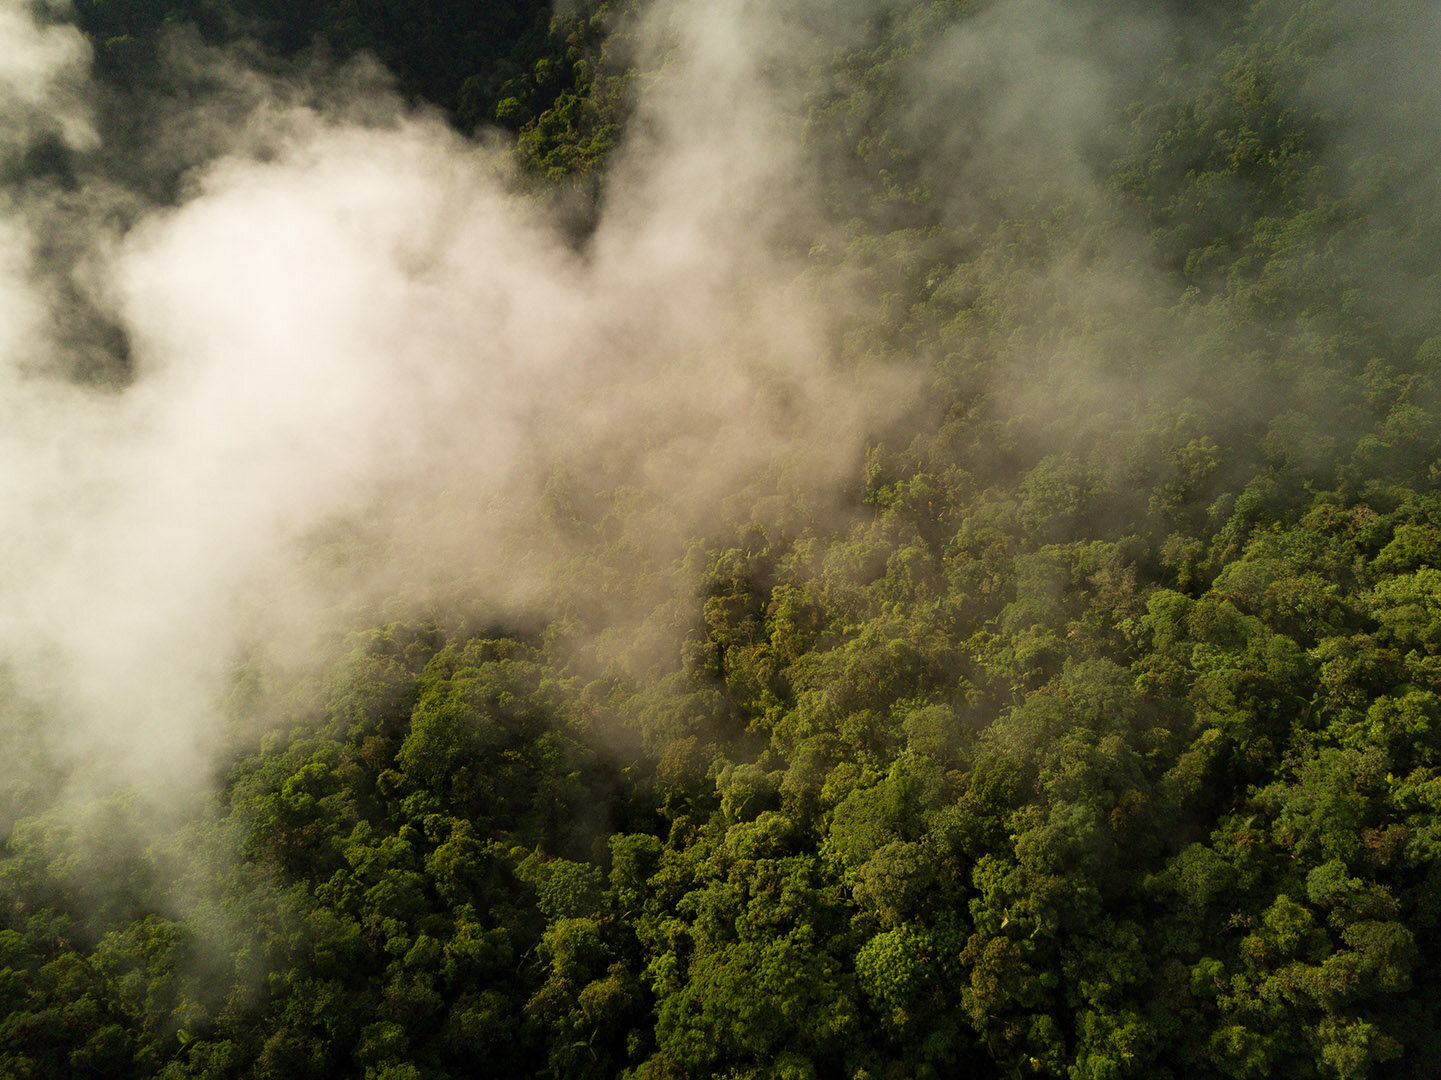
point(355, 357)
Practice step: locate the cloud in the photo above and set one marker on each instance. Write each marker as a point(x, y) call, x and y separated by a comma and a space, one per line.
point(357, 359)
point(42, 81)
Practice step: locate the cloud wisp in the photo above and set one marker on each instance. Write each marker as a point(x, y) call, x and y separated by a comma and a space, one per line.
point(356, 361)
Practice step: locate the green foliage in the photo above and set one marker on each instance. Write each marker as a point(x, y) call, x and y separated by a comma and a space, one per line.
point(1102, 740)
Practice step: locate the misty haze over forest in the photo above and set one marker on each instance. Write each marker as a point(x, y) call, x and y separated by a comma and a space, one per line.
point(663, 539)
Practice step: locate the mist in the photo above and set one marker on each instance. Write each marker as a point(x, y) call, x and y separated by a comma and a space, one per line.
point(360, 361)
point(356, 358)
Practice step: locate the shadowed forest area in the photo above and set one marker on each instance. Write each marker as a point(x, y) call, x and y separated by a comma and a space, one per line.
point(1090, 727)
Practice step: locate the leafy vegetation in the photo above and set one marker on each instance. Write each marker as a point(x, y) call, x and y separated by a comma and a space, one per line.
point(1105, 743)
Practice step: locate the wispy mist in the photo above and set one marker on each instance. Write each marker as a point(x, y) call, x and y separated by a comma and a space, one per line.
point(348, 357)
point(357, 358)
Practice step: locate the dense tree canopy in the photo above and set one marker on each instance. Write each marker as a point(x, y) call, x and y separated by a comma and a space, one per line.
point(1103, 742)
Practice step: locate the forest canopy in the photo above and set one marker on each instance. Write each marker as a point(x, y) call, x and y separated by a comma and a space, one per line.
point(899, 541)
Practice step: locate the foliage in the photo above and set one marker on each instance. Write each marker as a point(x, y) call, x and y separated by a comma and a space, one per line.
point(1105, 742)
